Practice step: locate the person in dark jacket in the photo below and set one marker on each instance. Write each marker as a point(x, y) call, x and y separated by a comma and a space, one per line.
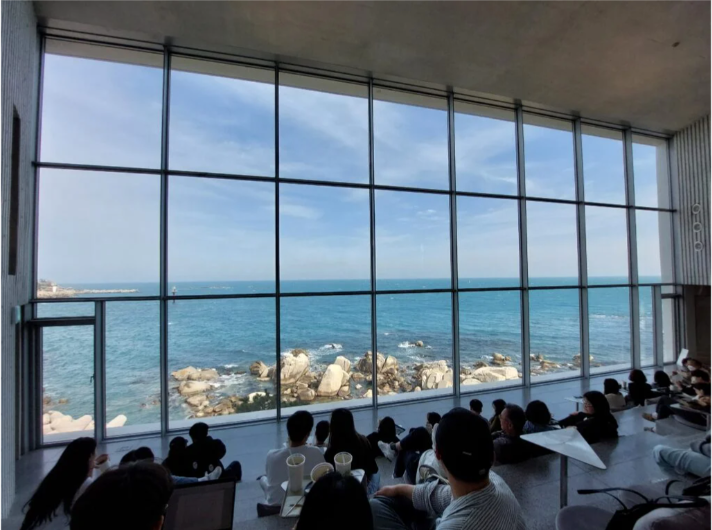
point(509, 448)
point(596, 422)
point(494, 422)
point(386, 433)
point(638, 388)
point(344, 438)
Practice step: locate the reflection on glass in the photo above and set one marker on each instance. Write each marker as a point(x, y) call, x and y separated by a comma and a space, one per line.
point(654, 246)
point(555, 344)
point(603, 165)
point(412, 241)
point(490, 338)
point(410, 140)
point(650, 169)
point(549, 157)
point(325, 340)
point(101, 105)
point(415, 340)
point(647, 332)
point(609, 328)
point(606, 245)
point(552, 244)
point(98, 234)
point(488, 242)
point(323, 129)
point(67, 383)
point(485, 149)
point(221, 358)
point(65, 309)
point(324, 238)
point(220, 236)
point(133, 373)
point(222, 118)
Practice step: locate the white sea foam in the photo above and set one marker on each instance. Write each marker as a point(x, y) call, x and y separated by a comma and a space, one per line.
point(406, 344)
point(386, 333)
point(331, 347)
point(231, 365)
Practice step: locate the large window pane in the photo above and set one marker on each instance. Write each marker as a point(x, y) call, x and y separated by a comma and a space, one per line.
point(490, 338)
point(650, 168)
point(101, 105)
point(324, 239)
point(552, 244)
point(412, 241)
point(415, 339)
point(555, 345)
point(549, 157)
point(603, 165)
point(485, 149)
point(609, 328)
point(323, 129)
point(98, 234)
point(220, 236)
point(222, 118)
point(219, 352)
point(606, 245)
point(133, 373)
point(410, 135)
point(67, 383)
point(488, 242)
point(654, 246)
point(324, 345)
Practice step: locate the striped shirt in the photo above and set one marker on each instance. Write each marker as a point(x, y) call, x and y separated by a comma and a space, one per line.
point(492, 508)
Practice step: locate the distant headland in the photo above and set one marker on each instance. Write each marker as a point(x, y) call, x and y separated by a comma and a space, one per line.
point(49, 289)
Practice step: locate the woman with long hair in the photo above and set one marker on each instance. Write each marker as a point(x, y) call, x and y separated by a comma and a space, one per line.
point(336, 501)
point(538, 418)
point(343, 438)
point(596, 422)
point(612, 391)
point(638, 388)
point(498, 406)
point(386, 433)
point(67, 480)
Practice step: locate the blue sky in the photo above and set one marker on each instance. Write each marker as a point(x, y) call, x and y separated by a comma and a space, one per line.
point(105, 227)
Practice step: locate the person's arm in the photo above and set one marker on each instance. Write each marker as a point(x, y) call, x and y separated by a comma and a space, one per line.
point(570, 420)
point(432, 497)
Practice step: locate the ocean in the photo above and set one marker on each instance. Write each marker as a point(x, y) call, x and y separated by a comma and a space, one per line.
point(230, 334)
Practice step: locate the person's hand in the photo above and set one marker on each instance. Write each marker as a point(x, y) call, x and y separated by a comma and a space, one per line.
point(101, 459)
point(388, 491)
point(574, 413)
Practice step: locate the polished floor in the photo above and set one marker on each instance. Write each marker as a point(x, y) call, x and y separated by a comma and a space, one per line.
point(535, 483)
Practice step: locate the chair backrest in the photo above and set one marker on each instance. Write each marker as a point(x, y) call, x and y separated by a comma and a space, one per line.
point(202, 506)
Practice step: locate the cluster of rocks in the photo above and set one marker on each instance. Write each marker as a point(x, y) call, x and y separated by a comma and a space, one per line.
point(55, 422)
point(546, 366)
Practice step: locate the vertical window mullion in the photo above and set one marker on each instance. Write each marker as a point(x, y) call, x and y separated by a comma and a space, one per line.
point(632, 251)
point(582, 251)
point(523, 264)
point(372, 224)
point(454, 277)
point(277, 285)
point(163, 349)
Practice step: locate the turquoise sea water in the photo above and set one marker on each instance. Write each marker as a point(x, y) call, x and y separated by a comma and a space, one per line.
point(229, 334)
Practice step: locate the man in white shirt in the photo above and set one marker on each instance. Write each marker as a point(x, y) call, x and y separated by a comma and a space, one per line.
point(299, 427)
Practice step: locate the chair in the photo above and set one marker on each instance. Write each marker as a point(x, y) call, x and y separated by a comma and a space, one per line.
point(202, 506)
point(582, 518)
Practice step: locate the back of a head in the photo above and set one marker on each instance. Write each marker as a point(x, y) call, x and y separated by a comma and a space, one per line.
point(341, 429)
point(387, 428)
point(537, 413)
point(476, 406)
point(464, 445)
point(701, 375)
point(611, 386)
point(133, 497)
point(177, 446)
point(218, 449)
point(499, 405)
point(128, 458)
point(433, 418)
point(61, 484)
point(322, 431)
point(517, 417)
point(662, 379)
point(198, 432)
point(601, 407)
point(336, 501)
point(299, 425)
point(693, 364)
point(637, 376)
point(144, 453)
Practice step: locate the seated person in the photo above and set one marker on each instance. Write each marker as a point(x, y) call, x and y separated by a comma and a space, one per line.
point(145, 454)
point(321, 434)
point(176, 461)
point(344, 438)
point(509, 448)
point(299, 427)
point(612, 391)
point(596, 422)
point(697, 376)
point(431, 420)
point(661, 383)
point(476, 406)
point(206, 453)
point(132, 496)
point(232, 471)
point(664, 407)
point(385, 434)
point(638, 388)
point(407, 452)
point(694, 461)
point(494, 423)
point(475, 498)
point(539, 418)
point(335, 501)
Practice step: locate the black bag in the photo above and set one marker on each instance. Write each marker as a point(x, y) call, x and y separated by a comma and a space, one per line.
point(699, 488)
point(625, 518)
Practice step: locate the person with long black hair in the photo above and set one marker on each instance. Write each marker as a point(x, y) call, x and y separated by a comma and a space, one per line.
point(494, 422)
point(70, 476)
point(386, 433)
point(336, 502)
point(596, 422)
point(344, 438)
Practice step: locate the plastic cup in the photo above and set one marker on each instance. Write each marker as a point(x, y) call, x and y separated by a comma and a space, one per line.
point(342, 463)
point(320, 470)
point(295, 466)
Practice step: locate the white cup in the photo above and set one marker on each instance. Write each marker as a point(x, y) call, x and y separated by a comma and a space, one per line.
point(342, 463)
point(295, 466)
point(320, 470)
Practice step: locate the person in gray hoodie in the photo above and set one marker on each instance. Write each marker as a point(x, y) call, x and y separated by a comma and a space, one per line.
point(472, 498)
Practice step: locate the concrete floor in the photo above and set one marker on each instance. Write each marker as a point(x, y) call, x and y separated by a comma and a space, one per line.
point(535, 483)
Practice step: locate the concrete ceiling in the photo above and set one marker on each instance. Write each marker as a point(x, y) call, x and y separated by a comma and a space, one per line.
point(646, 64)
